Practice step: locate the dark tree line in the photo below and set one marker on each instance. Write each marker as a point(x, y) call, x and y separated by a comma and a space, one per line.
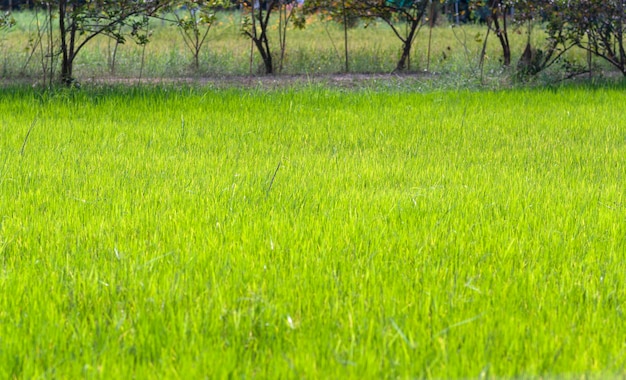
point(12, 5)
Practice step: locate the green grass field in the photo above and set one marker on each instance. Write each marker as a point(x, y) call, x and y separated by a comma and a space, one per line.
point(312, 233)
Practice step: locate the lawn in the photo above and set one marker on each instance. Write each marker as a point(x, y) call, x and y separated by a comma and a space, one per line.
point(312, 232)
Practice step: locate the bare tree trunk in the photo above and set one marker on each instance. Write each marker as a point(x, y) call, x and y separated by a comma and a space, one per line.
point(262, 41)
point(407, 44)
point(143, 61)
point(252, 38)
point(50, 46)
point(67, 47)
point(431, 22)
point(283, 23)
point(258, 34)
point(251, 55)
point(266, 53)
point(501, 32)
point(345, 34)
point(114, 57)
point(589, 57)
point(483, 52)
point(620, 37)
point(66, 70)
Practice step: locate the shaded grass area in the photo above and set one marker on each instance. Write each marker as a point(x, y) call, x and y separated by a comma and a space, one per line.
point(162, 232)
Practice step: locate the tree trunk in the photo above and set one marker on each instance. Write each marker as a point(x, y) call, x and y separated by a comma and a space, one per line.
point(196, 62)
point(345, 35)
point(407, 44)
point(501, 33)
point(67, 62)
point(66, 53)
point(620, 37)
point(267, 62)
point(404, 58)
point(66, 71)
point(266, 55)
point(262, 41)
point(506, 52)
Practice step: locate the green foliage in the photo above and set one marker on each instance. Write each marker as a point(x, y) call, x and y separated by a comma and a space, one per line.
point(340, 11)
point(598, 27)
point(194, 26)
point(79, 22)
point(546, 15)
point(6, 20)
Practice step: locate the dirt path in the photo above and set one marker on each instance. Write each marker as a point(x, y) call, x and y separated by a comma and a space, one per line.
point(277, 81)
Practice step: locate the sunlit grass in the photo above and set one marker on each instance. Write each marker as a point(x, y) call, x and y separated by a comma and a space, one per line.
point(311, 233)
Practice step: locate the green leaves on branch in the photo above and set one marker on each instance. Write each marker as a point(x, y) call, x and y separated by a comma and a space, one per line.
point(6, 20)
point(79, 22)
point(194, 19)
point(598, 26)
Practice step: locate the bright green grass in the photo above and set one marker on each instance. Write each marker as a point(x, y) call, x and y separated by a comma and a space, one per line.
point(448, 235)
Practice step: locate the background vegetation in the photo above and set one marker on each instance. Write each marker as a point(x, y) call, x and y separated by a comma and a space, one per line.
point(489, 40)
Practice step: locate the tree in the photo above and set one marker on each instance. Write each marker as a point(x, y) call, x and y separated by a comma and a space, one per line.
point(404, 17)
point(80, 21)
point(598, 26)
point(287, 13)
point(549, 16)
point(496, 19)
point(195, 23)
point(255, 26)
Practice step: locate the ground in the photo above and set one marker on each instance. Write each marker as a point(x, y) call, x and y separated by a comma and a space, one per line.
point(355, 80)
